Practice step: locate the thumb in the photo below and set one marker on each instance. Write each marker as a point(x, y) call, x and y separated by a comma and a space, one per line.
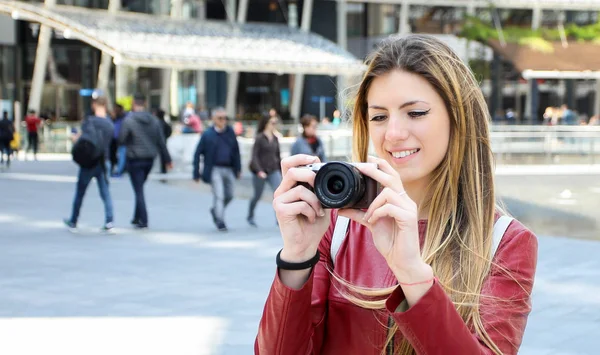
point(355, 215)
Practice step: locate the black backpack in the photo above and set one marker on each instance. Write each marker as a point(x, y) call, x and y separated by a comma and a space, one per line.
point(87, 152)
point(6, 131)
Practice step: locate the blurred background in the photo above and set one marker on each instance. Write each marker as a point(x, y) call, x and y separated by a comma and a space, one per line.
point(183, 288)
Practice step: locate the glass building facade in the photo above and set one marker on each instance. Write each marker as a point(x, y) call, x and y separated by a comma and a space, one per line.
point(73, 65)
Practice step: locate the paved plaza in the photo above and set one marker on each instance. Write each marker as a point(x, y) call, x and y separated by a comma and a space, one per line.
point(183, 288)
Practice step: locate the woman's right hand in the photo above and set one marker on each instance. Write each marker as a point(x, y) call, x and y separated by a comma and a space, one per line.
point(302, 220)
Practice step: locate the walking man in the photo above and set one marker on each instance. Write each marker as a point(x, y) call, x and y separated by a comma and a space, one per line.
point(219, 146)
point(98, 131)
point(7, 131)
point(143, 137)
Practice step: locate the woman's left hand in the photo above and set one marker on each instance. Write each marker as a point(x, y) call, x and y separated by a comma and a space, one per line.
point(392, 219)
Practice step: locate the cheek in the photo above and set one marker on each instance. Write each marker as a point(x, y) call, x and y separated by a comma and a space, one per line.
point(437, 137)
point(377, 136)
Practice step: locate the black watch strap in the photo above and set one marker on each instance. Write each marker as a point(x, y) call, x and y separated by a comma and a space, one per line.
point(284, 265)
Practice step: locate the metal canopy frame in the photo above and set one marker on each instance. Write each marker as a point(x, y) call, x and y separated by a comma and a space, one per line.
point(579, 5)
point(142, 40)
point(557, 74)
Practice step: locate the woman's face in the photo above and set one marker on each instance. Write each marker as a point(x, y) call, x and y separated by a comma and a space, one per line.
point(311, 129)
point(409, 125)
point(271, 125)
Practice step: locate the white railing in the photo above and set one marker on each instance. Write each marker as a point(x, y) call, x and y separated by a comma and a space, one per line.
point(509, 142)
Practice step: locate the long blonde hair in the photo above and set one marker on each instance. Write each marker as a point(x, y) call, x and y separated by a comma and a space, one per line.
point(460, 198)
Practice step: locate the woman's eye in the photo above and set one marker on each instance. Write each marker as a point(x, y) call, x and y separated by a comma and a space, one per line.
point(415, 114)
point(378, 118)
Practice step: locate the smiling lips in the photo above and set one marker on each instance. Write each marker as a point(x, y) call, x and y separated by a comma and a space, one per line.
point(404, 153)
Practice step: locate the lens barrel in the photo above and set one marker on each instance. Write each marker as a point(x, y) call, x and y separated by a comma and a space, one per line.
point(339, 185)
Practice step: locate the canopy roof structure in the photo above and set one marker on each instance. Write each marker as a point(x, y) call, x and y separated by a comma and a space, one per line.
point(576, 61)
point(580, 5)
point(162, 42)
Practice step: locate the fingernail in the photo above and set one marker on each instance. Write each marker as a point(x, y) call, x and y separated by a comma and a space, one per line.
point(321, 212)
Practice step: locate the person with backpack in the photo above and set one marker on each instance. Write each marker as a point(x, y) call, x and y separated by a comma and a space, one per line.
point(90, 152)
point(142, 134)
point(7, 131)
point(432, 266)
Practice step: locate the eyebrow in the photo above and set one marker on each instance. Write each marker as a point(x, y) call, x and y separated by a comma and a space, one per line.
point(408, 103)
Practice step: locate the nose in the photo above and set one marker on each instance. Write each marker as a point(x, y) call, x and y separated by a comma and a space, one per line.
point(397, 129)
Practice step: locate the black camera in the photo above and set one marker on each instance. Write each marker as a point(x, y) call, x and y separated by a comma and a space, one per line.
point(342, 185)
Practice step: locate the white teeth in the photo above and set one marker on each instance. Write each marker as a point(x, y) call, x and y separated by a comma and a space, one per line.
point(404, 153)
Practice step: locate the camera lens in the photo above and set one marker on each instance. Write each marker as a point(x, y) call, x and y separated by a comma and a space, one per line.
point(339, 185)
point(335, 185)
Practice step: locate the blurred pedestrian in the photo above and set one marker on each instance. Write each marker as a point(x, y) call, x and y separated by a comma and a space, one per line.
point(118, 153)
point(568, 116)
point(33, 123)
point(96, 134)
point(308, 142)
point(167, 131)
point(222, 164)
point(192, 122)
point(265, 163)
point(142, 134)
point(7, 131)
point(337, 118)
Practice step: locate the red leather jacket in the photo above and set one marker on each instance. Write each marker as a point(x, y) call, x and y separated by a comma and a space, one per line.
point(317, 319)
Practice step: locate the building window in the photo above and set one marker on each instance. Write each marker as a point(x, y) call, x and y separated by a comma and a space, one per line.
point(356, 19)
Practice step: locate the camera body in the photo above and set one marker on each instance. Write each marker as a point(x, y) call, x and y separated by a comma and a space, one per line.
point(341, 185)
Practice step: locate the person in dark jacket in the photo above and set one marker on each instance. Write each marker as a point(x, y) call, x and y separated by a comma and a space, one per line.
point(219, 146)
point(143, 137)
point(101, 127)
point(308, 142)
point(7, 132)
point(265, 163)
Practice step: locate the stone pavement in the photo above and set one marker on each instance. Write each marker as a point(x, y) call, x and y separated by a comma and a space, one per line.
point(182, 287)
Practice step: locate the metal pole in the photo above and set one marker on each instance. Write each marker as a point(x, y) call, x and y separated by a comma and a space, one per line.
point(201, 74)
point(121, 81)
point(165, 102)
point(297, 91)
point(342, 41)
point(165, 81)
point(176, 13)
point(321, 107)
point(471, 13)
point(403, 26)
point(536, 19)
point(41, 62)
point(233, 77)
point(106, 60)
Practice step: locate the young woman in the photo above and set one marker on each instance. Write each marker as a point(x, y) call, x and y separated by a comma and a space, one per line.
point(308, 142)
point(265, 163)
point(416, 272)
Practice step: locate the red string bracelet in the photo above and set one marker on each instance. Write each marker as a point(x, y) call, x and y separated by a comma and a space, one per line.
point(418, 283)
